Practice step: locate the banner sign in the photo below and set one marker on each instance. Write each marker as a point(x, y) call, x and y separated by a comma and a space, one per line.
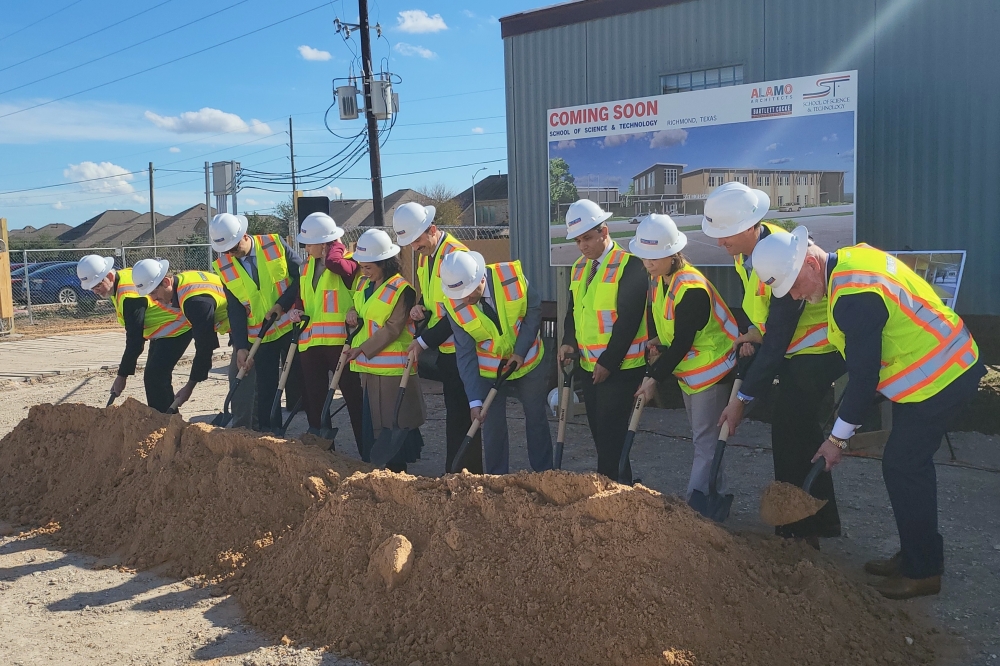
point(942, 269)
point(794, 139)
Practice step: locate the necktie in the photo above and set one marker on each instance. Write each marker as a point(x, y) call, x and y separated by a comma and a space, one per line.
point(593, 271)
point(490, 312)
point(250, 263)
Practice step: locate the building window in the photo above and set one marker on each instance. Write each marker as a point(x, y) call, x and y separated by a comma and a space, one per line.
point(670, 176)
point(781, 200)
point(744, 180)
point(711, 181)
point(486, 215)
point(798, 199)
point(719, 77)
point(763, 181)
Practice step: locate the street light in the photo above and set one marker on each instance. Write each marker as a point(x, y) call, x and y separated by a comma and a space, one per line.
point(475, 222)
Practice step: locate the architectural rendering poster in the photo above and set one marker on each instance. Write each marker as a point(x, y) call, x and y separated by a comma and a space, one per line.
point(942, 270)
point(792, 138)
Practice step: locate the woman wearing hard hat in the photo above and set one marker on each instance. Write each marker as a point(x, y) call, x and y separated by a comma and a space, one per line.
point(325, 295)
point(694, 338)
point(382, 303)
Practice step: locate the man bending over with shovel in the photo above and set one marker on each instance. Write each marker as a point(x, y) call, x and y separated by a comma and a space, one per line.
point(495, 316)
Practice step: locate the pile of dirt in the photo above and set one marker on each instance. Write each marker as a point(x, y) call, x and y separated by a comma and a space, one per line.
point(548, 569)
point(784, 504)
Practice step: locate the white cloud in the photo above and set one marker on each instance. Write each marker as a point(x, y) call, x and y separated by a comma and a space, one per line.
point(847, 154)
point(667, 138)
point(620, 139)
point(59, 205)
point(780, 160)
point(466, 13)
point(565, 144)
point(773, 146)
point(416, 21)
point(330, 191)
point(175, 149)
point(251, 202)
point(113, 178)
point(206, 120)
point(405, 49)
point(832, 137)
point(309, 53)
point(478, 130)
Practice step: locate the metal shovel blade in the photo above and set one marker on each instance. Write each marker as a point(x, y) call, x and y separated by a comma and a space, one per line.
point(388, 444)
point(713, 505)
point(282, 428)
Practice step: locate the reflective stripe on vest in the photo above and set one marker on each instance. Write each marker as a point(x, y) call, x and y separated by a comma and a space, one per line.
point(159, 321)
point(925, 345)
point(375, 311)
point(430, 287)
point(595, 310)
point(272, 273)
point(326, 305)
point(201, 283)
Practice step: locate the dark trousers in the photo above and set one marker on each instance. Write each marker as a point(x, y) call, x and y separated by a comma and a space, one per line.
point(609, 408)
point(267, 363)
point(158, 375)
point(408, 452)
point(458, 418)
point(796, 433)
point(910, 477)
point(317, 362)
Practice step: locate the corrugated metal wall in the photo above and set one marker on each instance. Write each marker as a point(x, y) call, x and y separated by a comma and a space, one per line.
point(928, 130)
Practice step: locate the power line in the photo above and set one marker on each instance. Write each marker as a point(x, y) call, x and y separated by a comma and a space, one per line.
point(11, 34)
point(415, 138)
point(90, 34)
point(169, 62)
point(74, 182)
point(435, 122)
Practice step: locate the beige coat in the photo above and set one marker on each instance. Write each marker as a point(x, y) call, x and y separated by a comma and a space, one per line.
point(382, 390)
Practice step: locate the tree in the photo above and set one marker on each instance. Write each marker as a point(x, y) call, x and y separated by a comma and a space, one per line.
point(449, 213)
point(285, 210)
point(40, 242)
point(562, 187)
point(266, 224)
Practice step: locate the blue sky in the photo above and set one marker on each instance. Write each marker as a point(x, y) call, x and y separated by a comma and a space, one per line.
point(824, 142)
point(449, 55)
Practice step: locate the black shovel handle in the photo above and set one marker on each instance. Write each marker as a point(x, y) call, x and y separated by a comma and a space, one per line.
point(814, 472)
point(633, 425)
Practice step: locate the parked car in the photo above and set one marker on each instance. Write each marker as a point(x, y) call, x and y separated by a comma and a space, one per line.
point(789, 208)
point(55, 284)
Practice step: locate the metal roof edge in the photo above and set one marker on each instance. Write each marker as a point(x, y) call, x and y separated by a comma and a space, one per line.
point(569, 13)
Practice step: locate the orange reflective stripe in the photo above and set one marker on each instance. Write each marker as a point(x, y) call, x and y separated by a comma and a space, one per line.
point(384, 360)
point(814, 336)
point(463, 313)
point(707, 375)
point(389, 292)
point(509, 282)
point(606, 320)
point(270, 248)
point(615, 260)
point(956, 349)
point(227, 269)
point(578, 269)
point(330, 301)
point(920, 312)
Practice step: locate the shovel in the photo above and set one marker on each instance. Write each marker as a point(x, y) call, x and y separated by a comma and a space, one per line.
point(567, 393)
point(222, 419)
point(633, 425)
point(285, 371)
point(714, 505)
point(784, 504)
point(282, 428)
point(111, 400)
point(327, 431)
point(502, 376)
point(390, 441)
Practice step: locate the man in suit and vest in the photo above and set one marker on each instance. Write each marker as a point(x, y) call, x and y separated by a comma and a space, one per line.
point(606, 324)
point(144, 319)
point(495, 316)
point(898, 339)
point(414, 226)
point(794, 347)
point(260, 276)
point(200, 297)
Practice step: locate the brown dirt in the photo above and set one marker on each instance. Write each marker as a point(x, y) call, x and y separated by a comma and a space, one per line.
point(783, 504)
point(554, 568)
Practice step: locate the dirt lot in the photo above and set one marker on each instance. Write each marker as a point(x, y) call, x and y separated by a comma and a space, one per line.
point(66, 608)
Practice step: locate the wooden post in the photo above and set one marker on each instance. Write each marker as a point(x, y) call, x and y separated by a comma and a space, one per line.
point(6, 296)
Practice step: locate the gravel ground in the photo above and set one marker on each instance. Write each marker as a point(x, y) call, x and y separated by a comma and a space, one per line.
point(71, 609)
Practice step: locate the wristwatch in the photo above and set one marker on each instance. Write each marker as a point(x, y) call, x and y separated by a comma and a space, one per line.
point(841, 443)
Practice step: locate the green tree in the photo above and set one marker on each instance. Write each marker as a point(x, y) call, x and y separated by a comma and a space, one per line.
point(285, 211)
point(40, 242)
point(449, 213)
point(266, 224)
point(562, 186)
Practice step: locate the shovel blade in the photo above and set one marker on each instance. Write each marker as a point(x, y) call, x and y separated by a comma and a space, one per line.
point(718, 507)
point(623, 461)
point(557, 456)
point(221, 420)
point(699, 502)
point(387, 445)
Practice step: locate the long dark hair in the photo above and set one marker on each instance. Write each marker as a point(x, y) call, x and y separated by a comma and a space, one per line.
point(389, 267)
point(680, 261)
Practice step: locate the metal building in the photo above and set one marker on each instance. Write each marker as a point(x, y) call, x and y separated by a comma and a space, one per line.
point(928, 165)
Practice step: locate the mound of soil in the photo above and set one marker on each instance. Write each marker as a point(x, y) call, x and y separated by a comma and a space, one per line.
point(548, 569)
point(784, 504)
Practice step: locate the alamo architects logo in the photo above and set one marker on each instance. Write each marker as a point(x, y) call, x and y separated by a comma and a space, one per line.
point(766, 101)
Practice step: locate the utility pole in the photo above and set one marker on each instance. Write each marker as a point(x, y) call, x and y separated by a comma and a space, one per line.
point(152, 215)
point(373, 148)
point(208, 213)
point(293, 224)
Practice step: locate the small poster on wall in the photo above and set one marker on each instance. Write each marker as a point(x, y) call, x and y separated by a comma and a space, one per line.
point(942, 270)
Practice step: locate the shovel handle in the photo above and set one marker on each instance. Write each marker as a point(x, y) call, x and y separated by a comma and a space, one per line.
point(406, 374)
point(287, 368)
point(724, 432)
point(563, 413)
point(256, 344)
point(633, 423)
point(814, 472)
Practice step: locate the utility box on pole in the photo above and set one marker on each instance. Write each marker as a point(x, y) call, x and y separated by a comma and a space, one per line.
point(224, 184)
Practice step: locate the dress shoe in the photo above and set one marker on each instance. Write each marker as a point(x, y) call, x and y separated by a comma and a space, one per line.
point(898, 587)
point(886, 568)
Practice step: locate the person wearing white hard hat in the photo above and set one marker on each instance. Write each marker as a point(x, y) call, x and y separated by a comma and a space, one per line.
point(200, 297)
point(166, 328)
point(899, 340)
point(414, 227)
point(325, 297)
point(260, 275)
point(382, 303)
point(605, 326)
point(694, 340)
point(495, 315)
point(793, 346)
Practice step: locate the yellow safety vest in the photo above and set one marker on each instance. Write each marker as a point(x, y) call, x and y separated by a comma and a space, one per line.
point(509, 290)
point(925, 345)
point(595, 310)
point(810, 335)
point(710, 358)
point(274, 280)
point(429, 278)
point(326, 305)
point(160, 321)
point(200, 283)
point(375, 311)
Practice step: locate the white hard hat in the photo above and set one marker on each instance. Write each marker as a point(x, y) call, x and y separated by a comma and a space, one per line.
point(410, 220)
point(93, 268)
point(226, 231)
point(733, 208)
point(553, 400)
point(657, 237)
point(582, 216)
point(374, 245)
point(461, 273)
point(148, 274)
point(318, 228)
point(778, 258)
